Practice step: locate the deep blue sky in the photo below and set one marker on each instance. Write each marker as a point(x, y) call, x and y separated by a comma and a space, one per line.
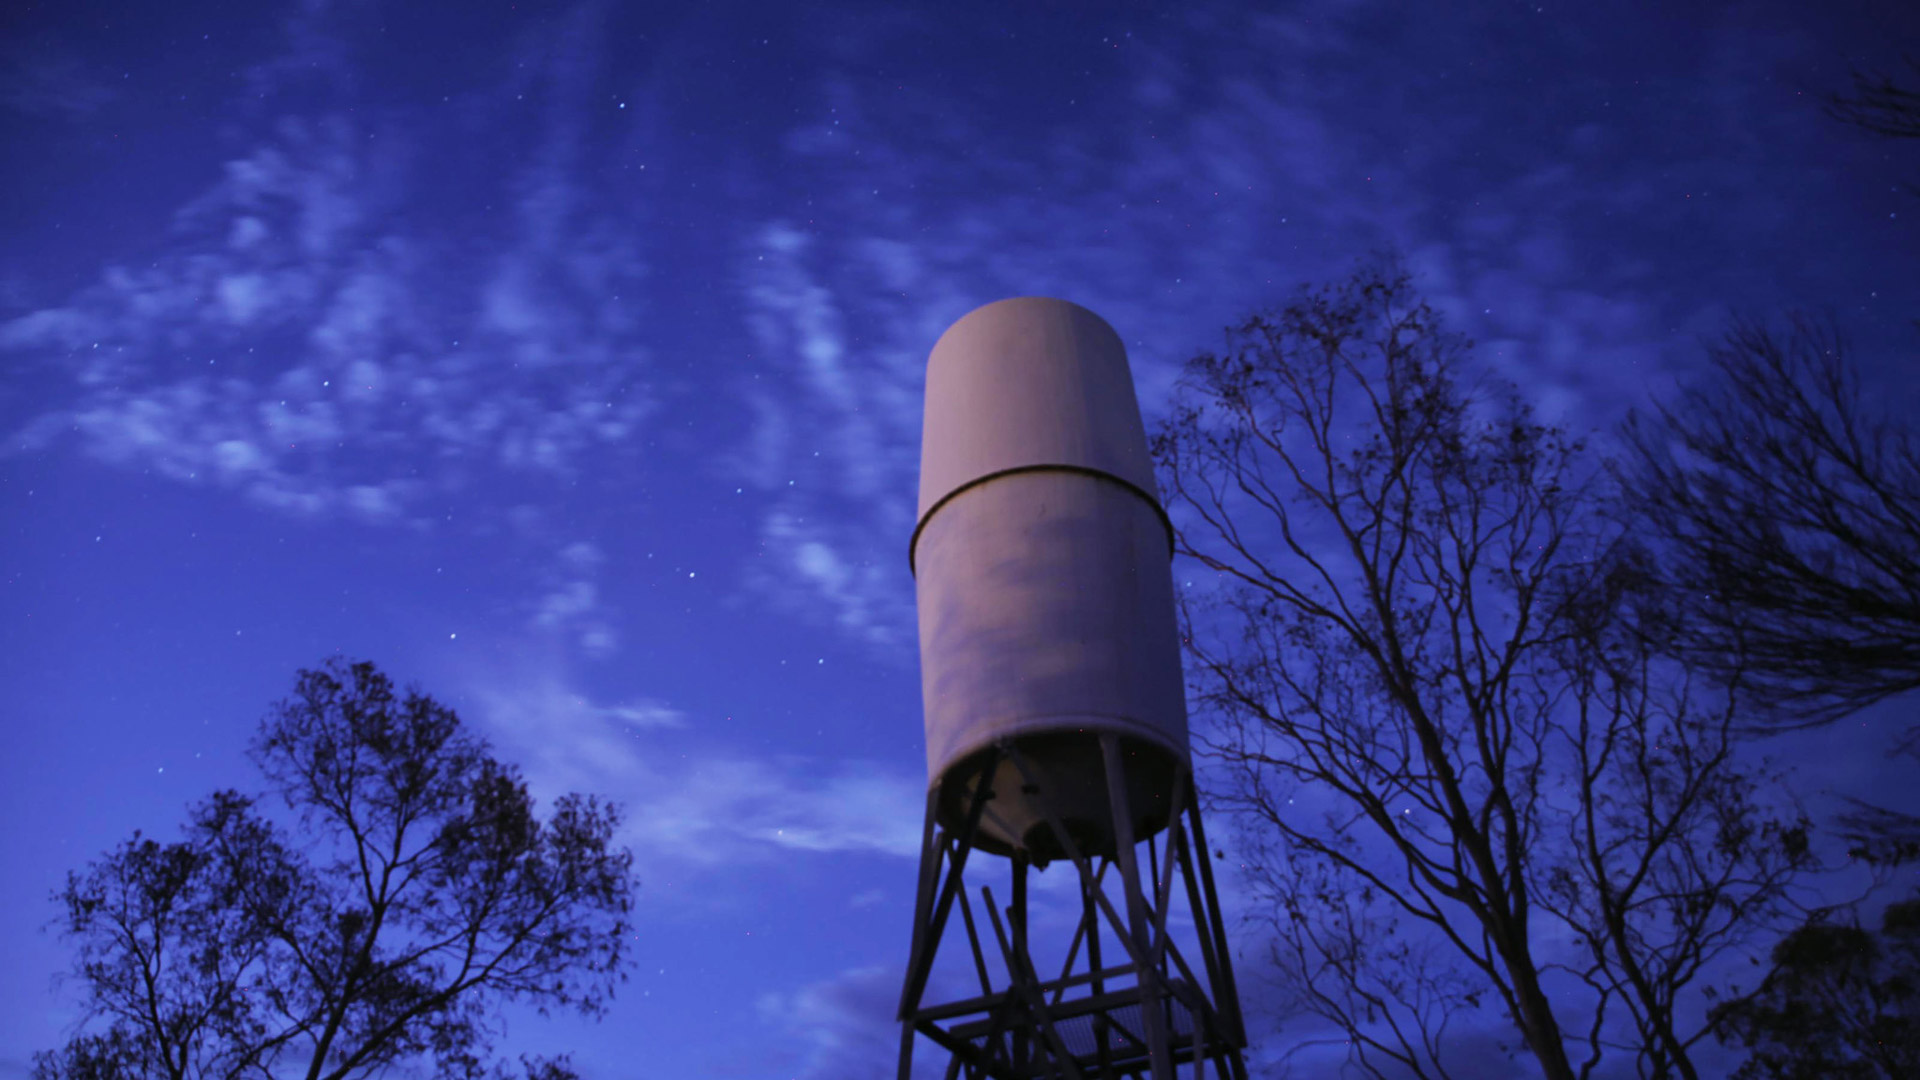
point(566, 360)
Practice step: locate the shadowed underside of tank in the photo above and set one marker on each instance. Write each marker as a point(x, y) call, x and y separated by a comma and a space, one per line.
point(1069, 778)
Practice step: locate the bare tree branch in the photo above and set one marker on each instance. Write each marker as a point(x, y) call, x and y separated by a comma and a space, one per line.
point(1781, 521)
point(1440, 733)
point(1880, 105)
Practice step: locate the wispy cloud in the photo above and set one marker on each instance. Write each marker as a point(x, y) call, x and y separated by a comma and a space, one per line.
point(835, 442)
point(572, 605)
point(689, 802)
point(292, 346)
point(844, 1027)
point(826, 570)
point(646, 714)
point(41, 77)
point(798, 320)
point(1226, 185)
point(313, 334)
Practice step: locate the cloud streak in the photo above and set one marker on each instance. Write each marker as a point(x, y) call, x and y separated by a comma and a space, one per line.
point(689, 802)
point(314, 334)
point(1180, 195)
point(290, 346)
point(843, 1027)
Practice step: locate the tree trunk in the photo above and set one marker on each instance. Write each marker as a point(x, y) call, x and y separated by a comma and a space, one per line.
point(1537, 1022)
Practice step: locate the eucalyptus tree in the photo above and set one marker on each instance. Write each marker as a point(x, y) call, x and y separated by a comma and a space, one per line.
point(1841, 1002)
point(1471, 792)
point(416, 892)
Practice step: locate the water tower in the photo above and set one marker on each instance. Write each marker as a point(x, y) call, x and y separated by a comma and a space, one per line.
point(1056, 722)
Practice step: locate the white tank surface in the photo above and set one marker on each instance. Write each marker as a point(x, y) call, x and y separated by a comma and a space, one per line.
point(1041, 563)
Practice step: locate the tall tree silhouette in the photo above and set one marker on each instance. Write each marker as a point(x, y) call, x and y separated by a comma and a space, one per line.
point(1467, 785)
point(418, 893)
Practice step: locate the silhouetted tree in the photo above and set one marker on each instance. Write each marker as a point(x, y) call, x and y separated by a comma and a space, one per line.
point(417, 894)
point(1781, 519)
point(1841, 1003)
point(1466, 782)
point(1880, 105)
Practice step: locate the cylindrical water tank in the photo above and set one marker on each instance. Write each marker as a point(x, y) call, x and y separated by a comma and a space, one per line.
point(1041, 565)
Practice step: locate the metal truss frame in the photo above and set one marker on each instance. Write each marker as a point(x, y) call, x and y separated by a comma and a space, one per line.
point(1143, 1015)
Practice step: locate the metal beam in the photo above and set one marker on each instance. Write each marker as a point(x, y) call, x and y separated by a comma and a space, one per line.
point(922, 954)
point(1152, 1017)
point(1023, 1025)
point(1036, 1004)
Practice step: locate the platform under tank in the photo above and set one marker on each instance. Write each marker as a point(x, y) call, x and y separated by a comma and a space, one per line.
point(1041, 560)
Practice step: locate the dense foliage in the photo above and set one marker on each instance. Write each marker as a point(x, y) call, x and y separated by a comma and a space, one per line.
point(1841, 1003)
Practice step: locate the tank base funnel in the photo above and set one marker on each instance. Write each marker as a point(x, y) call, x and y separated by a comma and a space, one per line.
point(1069, 777)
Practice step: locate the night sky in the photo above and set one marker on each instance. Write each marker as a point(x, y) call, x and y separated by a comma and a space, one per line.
point(566, 361)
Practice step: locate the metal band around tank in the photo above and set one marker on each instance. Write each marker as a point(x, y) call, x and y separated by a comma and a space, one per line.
point(913, 544)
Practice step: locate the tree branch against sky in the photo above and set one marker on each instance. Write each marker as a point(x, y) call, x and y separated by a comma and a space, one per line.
point(419, 893)
point(1781, 516)
point(1880, 105)
point(1468, 789)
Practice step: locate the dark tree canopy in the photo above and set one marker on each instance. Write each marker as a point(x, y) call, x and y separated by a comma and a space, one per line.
point(1842, 1003)
point(1782, 521)
point(412, 892)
